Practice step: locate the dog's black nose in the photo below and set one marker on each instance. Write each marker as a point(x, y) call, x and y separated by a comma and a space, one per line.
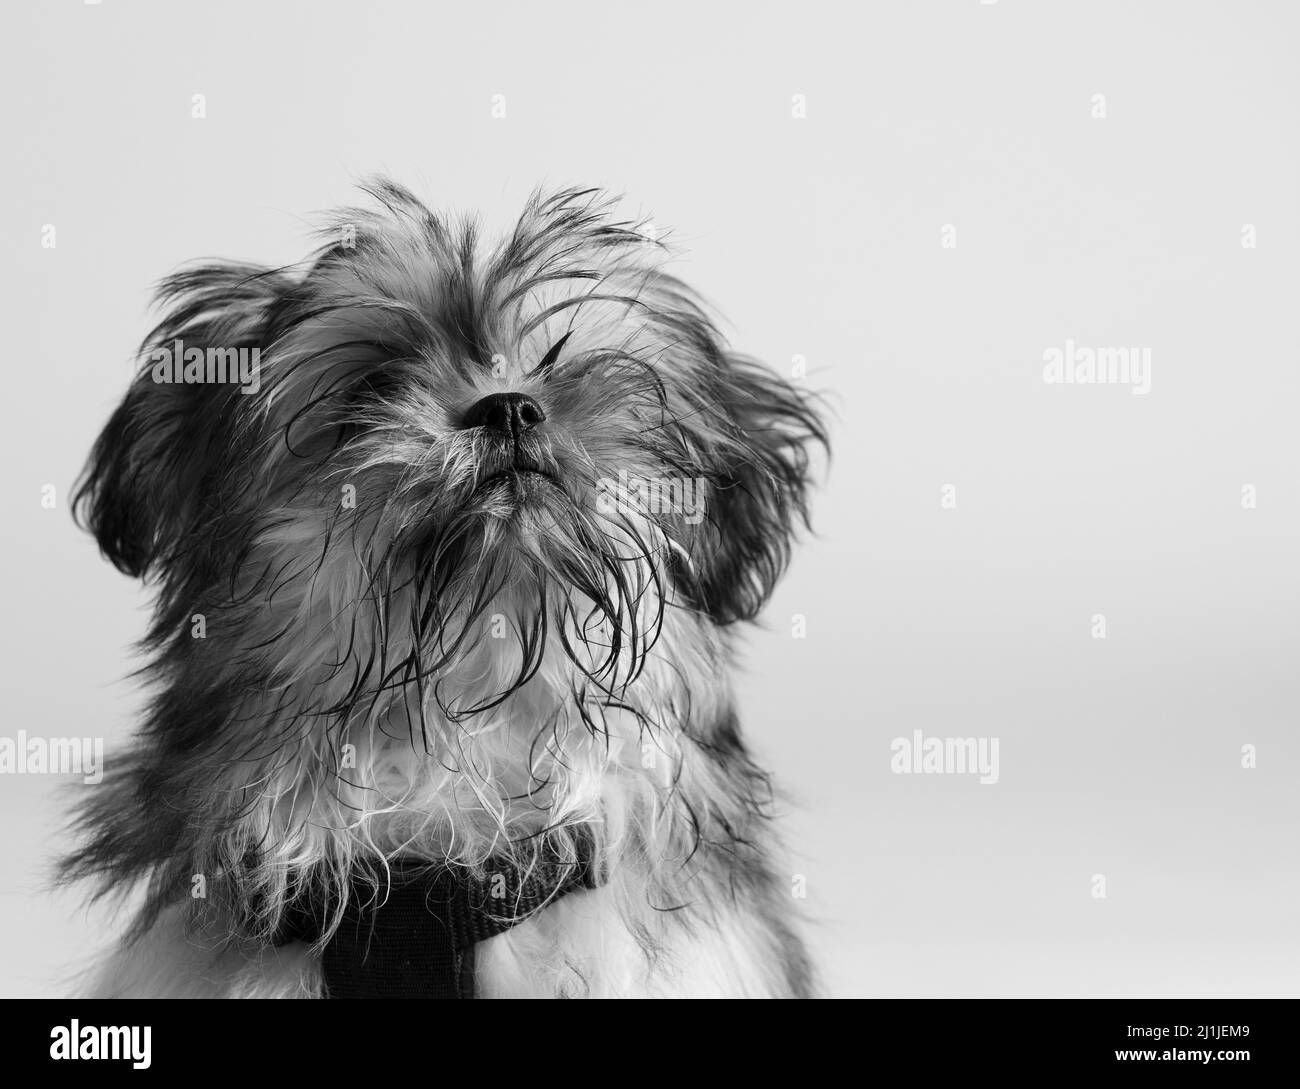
point(510, 413)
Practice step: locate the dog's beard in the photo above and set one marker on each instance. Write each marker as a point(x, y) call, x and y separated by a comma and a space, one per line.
point(521, 572)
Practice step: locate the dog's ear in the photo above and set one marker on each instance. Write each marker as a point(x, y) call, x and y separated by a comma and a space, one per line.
point(155, 464)
point(758, 494)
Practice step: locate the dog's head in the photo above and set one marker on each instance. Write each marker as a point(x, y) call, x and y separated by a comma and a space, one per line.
point(553, 435)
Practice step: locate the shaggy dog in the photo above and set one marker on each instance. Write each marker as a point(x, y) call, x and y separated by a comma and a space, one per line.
point(450, 547)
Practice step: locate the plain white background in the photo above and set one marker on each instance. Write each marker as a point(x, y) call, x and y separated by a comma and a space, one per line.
point(818, 237)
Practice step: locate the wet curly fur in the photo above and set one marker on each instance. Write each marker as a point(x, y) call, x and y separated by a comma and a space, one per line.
point(411, 647)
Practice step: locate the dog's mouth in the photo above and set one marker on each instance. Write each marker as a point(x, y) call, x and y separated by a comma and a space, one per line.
point(523, 479)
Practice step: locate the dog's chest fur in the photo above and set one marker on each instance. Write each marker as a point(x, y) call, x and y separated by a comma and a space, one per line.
point(579, 947)
point(687, 906)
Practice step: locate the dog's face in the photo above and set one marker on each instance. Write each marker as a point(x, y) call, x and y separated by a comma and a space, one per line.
point(552, 439)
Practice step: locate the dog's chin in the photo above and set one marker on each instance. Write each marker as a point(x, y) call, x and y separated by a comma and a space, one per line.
point(521, 484)
point(515, 493)
point(525, 508)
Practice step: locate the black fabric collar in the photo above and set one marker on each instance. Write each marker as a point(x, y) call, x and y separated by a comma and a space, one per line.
point(415, 939)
